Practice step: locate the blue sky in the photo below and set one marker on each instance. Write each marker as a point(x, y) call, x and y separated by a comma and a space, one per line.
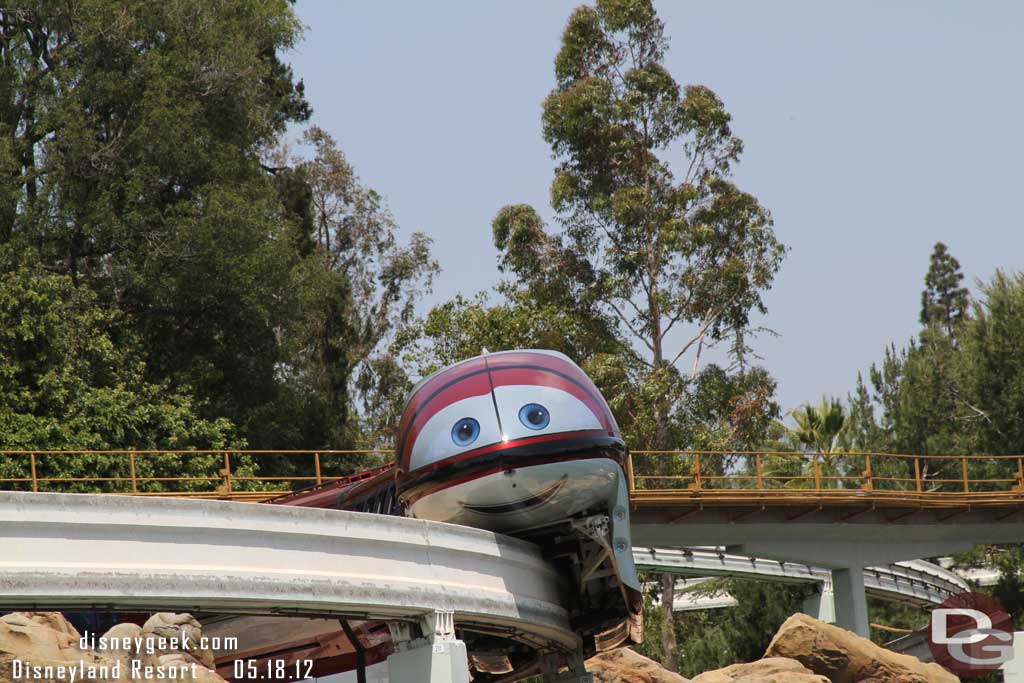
point(872, 130)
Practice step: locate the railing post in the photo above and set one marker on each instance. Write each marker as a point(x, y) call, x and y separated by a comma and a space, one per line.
point(695, 471)
point(757, 469)
point(135, 483)
point(1019, 474)
point(869, 485)
point(917, 474)
point(963, 465)
point(35, 480)
point(226, 472)
point(316, 462)
point(817, 474)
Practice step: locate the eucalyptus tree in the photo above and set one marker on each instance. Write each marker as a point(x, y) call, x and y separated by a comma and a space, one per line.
point(655, 235)
point(356, 287)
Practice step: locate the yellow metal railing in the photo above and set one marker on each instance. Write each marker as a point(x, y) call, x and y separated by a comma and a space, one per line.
point(785, 477)
point(222, 474)
point(655, 478)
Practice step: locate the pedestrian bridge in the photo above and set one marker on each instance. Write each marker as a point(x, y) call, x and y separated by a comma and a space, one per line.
point(841, 511)
point(702, 479)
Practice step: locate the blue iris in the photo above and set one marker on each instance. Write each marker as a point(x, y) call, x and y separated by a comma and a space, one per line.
point(465, 431)
point(534, 416)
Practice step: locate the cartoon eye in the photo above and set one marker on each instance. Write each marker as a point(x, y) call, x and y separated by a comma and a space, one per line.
point(465, 431)
point(534, 416)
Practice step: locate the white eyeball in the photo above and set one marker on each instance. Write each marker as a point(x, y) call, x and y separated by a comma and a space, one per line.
point(529, 410)
point(456, 428)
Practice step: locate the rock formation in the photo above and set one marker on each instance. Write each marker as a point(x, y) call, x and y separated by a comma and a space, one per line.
point(767, 670)
point(845, 657)
point(804, 650)
point(626, 666)
point(44, 647)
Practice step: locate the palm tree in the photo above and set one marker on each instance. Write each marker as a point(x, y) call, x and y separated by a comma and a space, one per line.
point(821, 427)
point(820, 430)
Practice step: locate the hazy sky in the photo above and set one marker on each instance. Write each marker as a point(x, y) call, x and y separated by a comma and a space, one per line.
point(872, 130)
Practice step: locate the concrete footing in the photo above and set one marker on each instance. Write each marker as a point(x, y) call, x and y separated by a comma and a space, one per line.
point(438, 662)
point(437, 657)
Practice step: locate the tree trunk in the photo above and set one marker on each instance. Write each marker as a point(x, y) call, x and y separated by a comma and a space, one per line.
point(669, 649)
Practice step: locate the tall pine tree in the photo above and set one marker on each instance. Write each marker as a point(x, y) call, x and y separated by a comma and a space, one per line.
point(944, 301)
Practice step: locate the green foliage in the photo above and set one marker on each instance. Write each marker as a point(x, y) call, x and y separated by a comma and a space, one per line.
point(820, 428)
point(957, 388)
point(463, 327)
point(356, 289)
point(943, 301)
point(66, 380)
point(132, 134)
point(69, 379)
point(712, 639)
point(263, 288)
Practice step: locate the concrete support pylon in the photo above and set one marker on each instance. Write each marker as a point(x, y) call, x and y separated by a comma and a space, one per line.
point(438, 657)
point(821, 604)
point(851, 603)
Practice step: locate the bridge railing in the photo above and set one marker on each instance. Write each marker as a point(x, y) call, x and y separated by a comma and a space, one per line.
point(225, 474)
point(653, 476)
point(785, 476)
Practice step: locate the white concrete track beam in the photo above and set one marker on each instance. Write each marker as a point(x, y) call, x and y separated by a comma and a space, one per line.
point(131, 553)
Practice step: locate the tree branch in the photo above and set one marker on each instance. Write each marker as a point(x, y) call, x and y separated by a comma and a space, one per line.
point(628, 324)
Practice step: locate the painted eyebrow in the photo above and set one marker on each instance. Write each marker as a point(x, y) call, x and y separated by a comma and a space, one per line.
point(563, 375)
point(430, 399)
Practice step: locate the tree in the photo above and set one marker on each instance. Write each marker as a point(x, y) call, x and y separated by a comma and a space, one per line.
point(461, 328)
point(991, 394)
point(717, 638)
point(653, 245)
point(131, 140)
point(71, 379)
point(820, 427)
point(921, 389)
point(958, 388)
point(863, 433)
point(944, 301)
point(356, 288)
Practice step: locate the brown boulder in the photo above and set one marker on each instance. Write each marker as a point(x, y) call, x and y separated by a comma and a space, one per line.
point(626, 666)
point(845, 657)
point(43, 637)
point(767, 670)
point(46, 640)
point(179, 628)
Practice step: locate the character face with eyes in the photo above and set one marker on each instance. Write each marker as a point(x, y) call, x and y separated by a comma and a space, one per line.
point(498, 402)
